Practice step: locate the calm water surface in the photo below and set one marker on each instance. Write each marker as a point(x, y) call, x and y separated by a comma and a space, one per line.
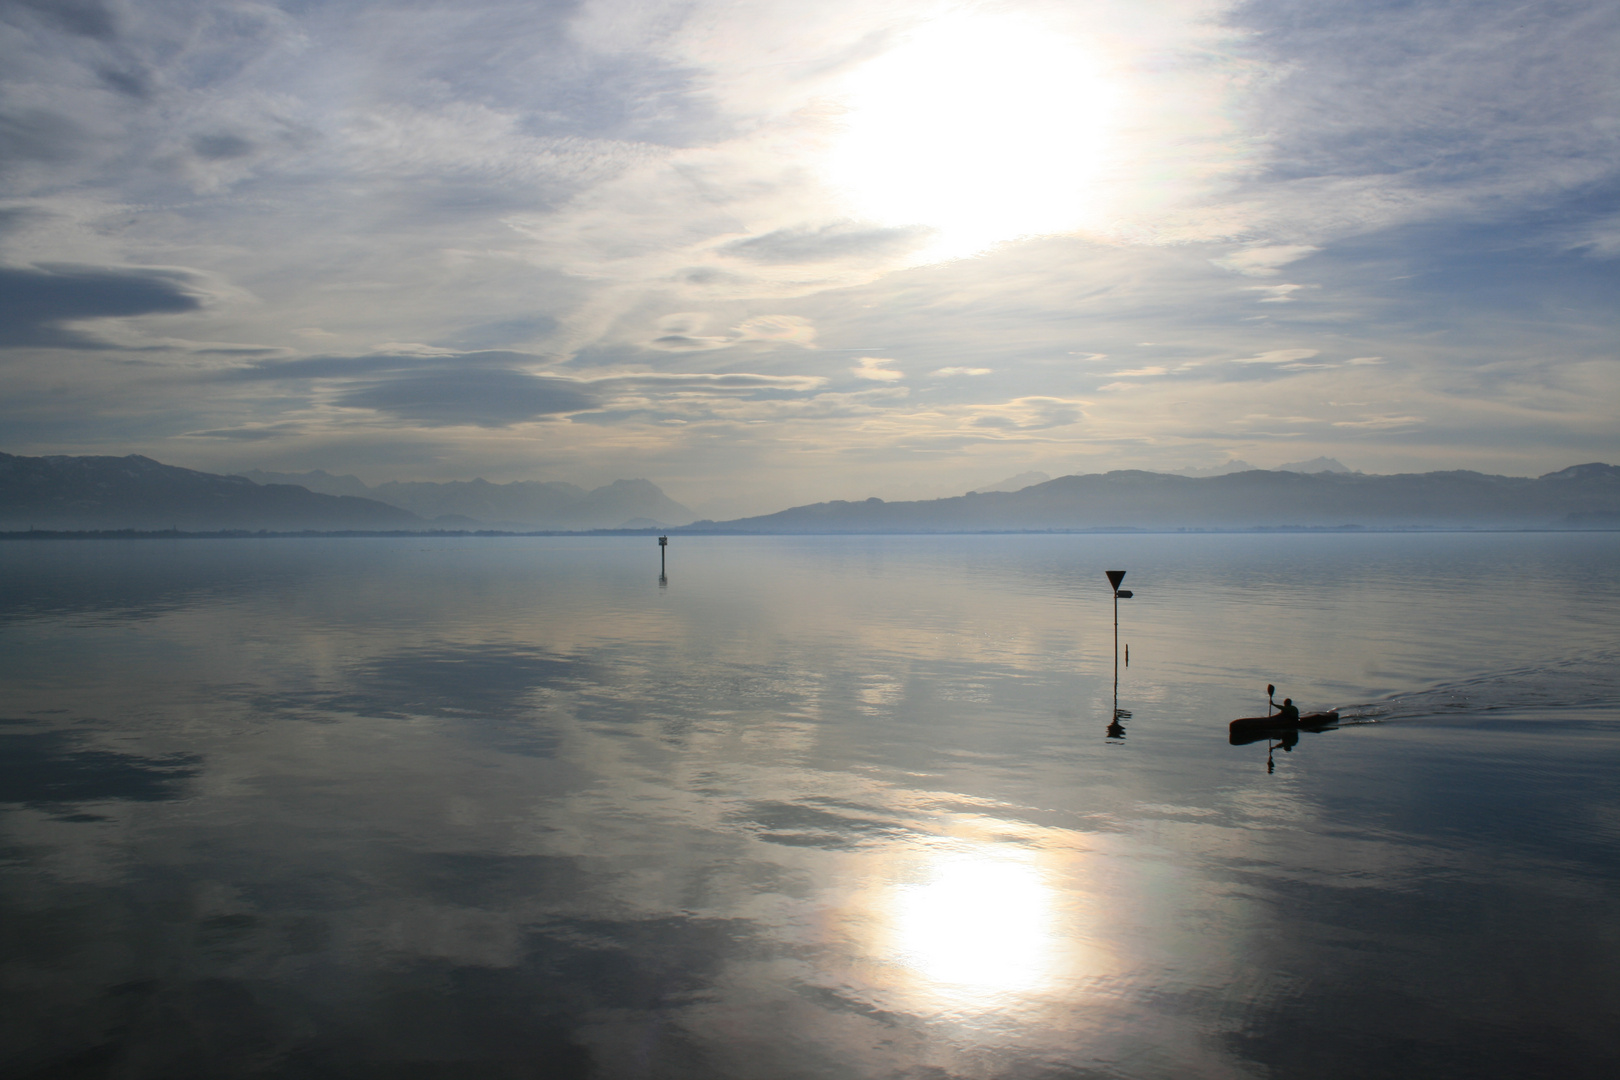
point(815, 808)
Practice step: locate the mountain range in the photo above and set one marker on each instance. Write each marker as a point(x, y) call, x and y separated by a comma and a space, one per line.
point(134, 492)
point(104, 493)
point(520, 505)
point(1315, 465)
point(1583, 496)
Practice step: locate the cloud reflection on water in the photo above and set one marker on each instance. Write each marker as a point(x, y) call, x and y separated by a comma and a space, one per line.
point(805, 813)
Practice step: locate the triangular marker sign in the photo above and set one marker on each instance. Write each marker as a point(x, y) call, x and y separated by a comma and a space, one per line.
point(1115, 577)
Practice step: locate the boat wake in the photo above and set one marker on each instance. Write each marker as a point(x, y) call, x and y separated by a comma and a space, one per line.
point(1585, 683)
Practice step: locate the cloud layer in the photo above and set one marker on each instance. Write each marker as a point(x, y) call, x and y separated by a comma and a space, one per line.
point(767, 253)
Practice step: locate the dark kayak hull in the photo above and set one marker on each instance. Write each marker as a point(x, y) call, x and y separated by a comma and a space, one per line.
point(1250, 724)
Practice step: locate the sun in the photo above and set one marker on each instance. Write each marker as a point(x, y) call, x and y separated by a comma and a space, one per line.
point(981, 128)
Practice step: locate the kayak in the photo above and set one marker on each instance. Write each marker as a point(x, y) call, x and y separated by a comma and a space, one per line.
point(1277, 723)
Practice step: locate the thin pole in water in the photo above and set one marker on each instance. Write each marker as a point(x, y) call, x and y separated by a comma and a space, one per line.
point(1114, 578)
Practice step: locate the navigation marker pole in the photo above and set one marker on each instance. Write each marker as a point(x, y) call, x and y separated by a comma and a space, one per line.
point(663, 546)
point(1114, 578)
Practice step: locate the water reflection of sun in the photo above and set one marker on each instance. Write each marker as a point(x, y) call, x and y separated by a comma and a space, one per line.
point(979, 924)
point(974, 928)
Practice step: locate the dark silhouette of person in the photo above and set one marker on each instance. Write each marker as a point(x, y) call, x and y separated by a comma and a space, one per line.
point(1288, 713)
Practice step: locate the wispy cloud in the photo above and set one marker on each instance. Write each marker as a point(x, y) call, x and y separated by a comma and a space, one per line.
point(1277, 356)
point(876, 368)
point(1263, 260)
point(1380, 422)
point(1276, 294)
point(679, 333)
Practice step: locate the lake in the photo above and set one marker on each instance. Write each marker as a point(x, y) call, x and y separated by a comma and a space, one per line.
point(811, 807)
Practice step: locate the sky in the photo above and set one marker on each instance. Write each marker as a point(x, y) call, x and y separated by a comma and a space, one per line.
point(766, 253)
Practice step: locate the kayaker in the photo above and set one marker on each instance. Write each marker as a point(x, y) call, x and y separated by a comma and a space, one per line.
point(1288, 713)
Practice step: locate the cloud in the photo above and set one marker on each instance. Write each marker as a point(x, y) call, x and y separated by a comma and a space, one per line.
point(498, 389)
point(1263, 260)
point(1426, 112)
point(479, 397)
point(14, 219)
point(679, 332)
point(505, 332)
point(250, 433)
point(38, 135)
point(548, 177)
point(1278, 356)
point(413, 348)
point(1599, 239)
point(789, 329)
point(874, 367)
point(1276, 294)
point(86, 18)
point(704, 381)
point(36, 302)
point(1380, 423)
point(349, 367)
point(134, 81)
point(1034, 413)
point(221, 147)
point(836, 241)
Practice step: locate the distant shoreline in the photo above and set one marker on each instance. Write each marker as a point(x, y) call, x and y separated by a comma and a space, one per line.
point(400, 534)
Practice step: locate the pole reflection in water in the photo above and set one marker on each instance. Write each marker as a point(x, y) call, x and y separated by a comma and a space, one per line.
point(1116, 726)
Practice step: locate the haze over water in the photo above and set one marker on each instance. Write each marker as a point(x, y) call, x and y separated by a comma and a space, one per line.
point(815, 807)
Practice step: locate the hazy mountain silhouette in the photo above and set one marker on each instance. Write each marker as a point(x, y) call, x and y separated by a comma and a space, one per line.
point(533, 504)
point(136, 492)
point(1014, 483)
point(319, 481)
point(523, 504)
point(1237, 465)
point(1315, 465)
point(86, 493)
point(1584, 496)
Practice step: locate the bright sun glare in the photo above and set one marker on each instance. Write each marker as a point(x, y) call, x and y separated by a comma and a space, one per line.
point(979, 925)
point(983, 128)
